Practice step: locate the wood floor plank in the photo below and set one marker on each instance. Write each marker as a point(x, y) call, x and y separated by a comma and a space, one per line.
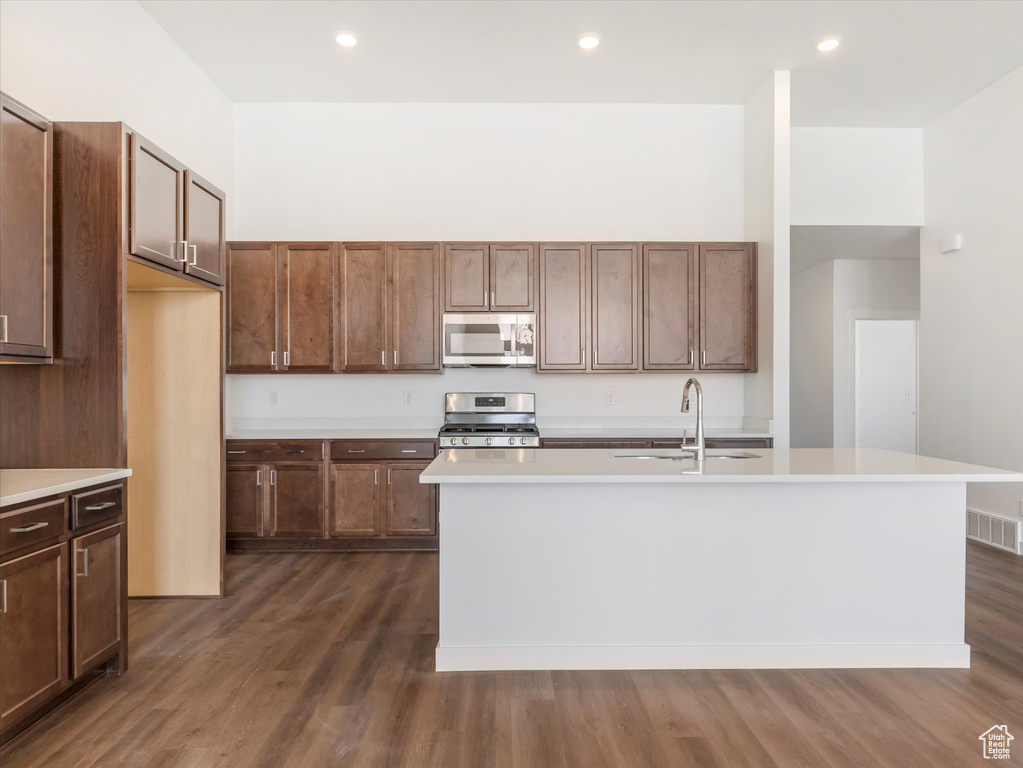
point(327, 660)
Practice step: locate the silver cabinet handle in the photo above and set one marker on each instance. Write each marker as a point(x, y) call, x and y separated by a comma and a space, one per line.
point(237, 451)
point(195, 255)
point(492, 302)
point(388, 477)
point(408, 450)
point(704, 357)
point(376, 477)
point(273, 477)
point(285, 358)
point(395, 357)
point(273, 358)
point(383, 358)
point(351, 451)
point(85, 563)
point(300, 450)
point(259, 477)
point(3, 334)
point(3, 595)
point(184, 251)
point(98, 507)
point(690, 357)
point(594, 357)
point(27, 528)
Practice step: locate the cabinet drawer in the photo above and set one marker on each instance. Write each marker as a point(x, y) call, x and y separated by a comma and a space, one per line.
point(96, 505)
point(372, 450)
point(720, 443)
point(596, 444)
point(32, 525)
point(257, 451)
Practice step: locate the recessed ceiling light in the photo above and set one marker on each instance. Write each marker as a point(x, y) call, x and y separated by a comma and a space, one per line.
point(829, 43)
point(345, 38)
point(588, 40)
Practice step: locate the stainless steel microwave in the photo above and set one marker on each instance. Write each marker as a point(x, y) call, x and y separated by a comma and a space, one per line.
point(489, 339)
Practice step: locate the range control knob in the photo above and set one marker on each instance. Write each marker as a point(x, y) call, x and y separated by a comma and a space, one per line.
point(523, 440)
point(454, 440)
point(465, 441)
point(490, 441)
point(511, 441)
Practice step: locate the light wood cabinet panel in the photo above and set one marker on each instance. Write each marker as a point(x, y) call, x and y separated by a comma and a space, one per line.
point(512, 277)
point(245, 506)
point(204, 229)
point(33, 631)
point(296, 500)
point(614, 303)
point(26, 232)
point(728, 307)
point(466, 278)
point(252, 307)
point(411, 508)
point(363, 326)
point(415, 309)
point(156, 204)
point(564, 280)
point(307, 306)
point(355, 499)
point(669, 307)
point(96, 588)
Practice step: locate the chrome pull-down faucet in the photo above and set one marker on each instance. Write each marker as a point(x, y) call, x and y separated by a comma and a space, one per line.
point(699, 448)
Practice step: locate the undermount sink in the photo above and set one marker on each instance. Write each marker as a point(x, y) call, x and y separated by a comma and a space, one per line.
point(686, 455)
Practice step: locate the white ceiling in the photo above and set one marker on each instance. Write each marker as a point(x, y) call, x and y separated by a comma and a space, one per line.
point(902, 63)
point(813, 245)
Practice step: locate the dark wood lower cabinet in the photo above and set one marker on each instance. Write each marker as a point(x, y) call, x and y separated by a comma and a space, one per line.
point(355, 500)
point(723, 443)
point(411, 506)
point(96, 587)
point(296, 500)
point(245, 508)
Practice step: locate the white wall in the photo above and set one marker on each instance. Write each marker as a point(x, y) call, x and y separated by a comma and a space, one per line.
point(488, 171)
point(857, 176)
point(971, 334)
point(865, 289)
point(108, 61)
point(766, 220)
point(813, 362)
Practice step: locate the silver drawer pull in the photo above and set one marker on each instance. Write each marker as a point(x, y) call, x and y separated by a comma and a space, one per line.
point(351, 451)
point(85, 563)
point(298, 451)
point(237, 451)
point(27, 528)
point(409, 450)
point(3, 605)
point(98, 507)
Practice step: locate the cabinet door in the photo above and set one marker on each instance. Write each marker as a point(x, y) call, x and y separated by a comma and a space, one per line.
point(512, 277)
point(562, 313)
point(728, 307)
point(251, 307)
point(33, 631)
point(296, 500)
point(204, 229)
point(363, 326)
point(307, 306)
point(96, 589)
point(411, 507)
point(669, 290)
point(355, 499)
point(415, 314)
point(466, 278)
point(26, 232)
point(244, 503)
point(157, 194)
point(614, 313)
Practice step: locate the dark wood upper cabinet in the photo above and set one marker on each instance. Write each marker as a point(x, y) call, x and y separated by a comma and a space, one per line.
point(96, 587)
point(362, 325)
point(512, 277)
point(252, 307)
point(564, 283)
point(33, 631)
point(355, 499)
point(307, 306)
point(26, 233)
point(156, 205)
point(669, 307)
point(204, 229)
point(411, 506)
point(244, 503)
point(415, 307)
point(614, 313)
point(466, 277)
point(296, 500)
point(728, 307)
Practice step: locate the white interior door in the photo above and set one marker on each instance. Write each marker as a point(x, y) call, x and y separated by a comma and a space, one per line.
point(886, 371)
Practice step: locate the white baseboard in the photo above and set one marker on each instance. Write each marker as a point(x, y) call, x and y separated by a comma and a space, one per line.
point(510, 658)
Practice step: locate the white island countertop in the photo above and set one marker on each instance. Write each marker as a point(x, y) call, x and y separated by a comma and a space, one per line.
point(805, 465)
point(20, 485)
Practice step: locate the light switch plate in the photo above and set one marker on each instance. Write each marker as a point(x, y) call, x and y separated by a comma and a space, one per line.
point(273, 399)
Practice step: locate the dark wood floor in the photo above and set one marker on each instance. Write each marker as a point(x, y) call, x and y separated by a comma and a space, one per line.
point(326, 660)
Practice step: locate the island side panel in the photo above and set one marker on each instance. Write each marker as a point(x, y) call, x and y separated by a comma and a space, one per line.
point(750, 575)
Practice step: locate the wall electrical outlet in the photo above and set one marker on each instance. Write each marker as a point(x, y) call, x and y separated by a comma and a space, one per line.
point(610, 398)
point(407, 397)
point(273, 399)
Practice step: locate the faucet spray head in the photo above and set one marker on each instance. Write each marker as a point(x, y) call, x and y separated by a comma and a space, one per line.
point(685, 404)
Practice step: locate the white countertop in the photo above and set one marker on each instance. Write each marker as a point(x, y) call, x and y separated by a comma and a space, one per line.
point(20, 485)
point(591, 433)
point(430, 433)
point(806, 465)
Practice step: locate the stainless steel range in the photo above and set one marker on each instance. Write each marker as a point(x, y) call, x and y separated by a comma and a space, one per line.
point(489, 420)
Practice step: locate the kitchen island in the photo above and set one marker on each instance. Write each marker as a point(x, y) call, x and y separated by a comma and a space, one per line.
point(602, 559)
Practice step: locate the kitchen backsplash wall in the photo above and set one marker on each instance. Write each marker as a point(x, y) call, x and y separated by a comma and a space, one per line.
point(561, 399)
